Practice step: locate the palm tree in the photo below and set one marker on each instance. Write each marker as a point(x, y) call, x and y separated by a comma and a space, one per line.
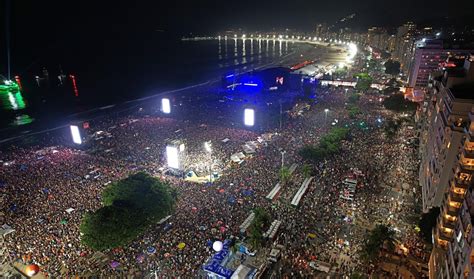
point(284, 175)
point(307, 171)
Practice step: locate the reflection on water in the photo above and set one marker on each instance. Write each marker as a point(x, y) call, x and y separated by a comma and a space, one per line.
point(245, 50)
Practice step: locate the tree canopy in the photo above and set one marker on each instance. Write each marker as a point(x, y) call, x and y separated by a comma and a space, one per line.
point(261, 221)
point(390, 90)
point(353, 111)
point(427, 223)
point(391, 127)
point(380, 236)
point(307, 170)
point(363, 81)
point(398, 103)
point(329, 144)
point(130, 206)
point(284, 174)
point(354, 98)
point(392, 67)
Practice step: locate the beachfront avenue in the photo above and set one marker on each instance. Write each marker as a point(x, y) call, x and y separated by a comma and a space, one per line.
point(322, 203)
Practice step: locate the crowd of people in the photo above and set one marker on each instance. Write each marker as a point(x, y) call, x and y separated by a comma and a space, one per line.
point(49, 188)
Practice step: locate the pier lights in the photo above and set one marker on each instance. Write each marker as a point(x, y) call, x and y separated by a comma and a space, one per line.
point(76, 134)
point(249, 117)
point(165, 105)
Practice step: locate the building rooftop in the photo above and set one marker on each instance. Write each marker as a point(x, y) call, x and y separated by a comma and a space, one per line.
point(463, 91)
point(455, 72)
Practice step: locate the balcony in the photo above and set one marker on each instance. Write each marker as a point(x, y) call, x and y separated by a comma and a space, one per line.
point(462, 177)
point(468, 153)
point(452, 211)
point(453, 196)
point(445, 234)
point(448, 224)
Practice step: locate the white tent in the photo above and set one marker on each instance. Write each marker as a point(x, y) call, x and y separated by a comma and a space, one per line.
point(6, 229)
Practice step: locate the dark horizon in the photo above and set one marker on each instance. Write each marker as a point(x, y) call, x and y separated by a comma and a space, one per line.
point(40, 27)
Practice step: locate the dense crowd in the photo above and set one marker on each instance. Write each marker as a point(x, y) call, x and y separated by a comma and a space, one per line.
point(42, 184)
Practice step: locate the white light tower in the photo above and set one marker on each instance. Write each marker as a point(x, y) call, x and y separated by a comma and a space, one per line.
point(172, 157)
point(249, 117)
point(165, 105)
point(325, 115)
point(208, 148)
point(76, 134)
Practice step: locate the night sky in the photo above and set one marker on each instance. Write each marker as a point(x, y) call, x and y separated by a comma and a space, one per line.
point(40, 25)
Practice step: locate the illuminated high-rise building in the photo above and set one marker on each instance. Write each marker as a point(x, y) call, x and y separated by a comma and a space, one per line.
point(429, 53)
point(453, 254)
point(446, 105)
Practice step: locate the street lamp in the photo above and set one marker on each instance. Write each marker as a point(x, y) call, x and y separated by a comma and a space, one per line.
point(282, 157)
point(325, 115)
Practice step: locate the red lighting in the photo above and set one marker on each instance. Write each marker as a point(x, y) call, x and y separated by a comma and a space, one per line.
point(447, 65)
point(17, 79)
point(301, 65)
point(74, 85)
point(31, 270)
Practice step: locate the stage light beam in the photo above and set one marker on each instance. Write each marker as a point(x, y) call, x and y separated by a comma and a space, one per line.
point(249, 117)
point(165, 105)
point(172, 157)
point(76, 135)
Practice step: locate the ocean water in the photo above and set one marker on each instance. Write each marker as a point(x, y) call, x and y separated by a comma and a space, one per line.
point(117, 71)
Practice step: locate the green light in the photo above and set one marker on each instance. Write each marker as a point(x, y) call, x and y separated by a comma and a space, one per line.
point(19, 100)
point(11, 94)
point(22, 120)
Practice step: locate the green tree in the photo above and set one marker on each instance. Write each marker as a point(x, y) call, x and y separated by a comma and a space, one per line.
point(144, 192)
point(390, 90)
point(261, 221)
point(398, 103)
point(329, 144)
point(381, 236)
point(392, 67)
point(372, 65)
point(130, 206)
point(307, 171)
point(353, 98)
point(284, 175)
point(427, 223)
point(111, 226)
point(353, 111)
point(363, 81)
point(391, 127)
